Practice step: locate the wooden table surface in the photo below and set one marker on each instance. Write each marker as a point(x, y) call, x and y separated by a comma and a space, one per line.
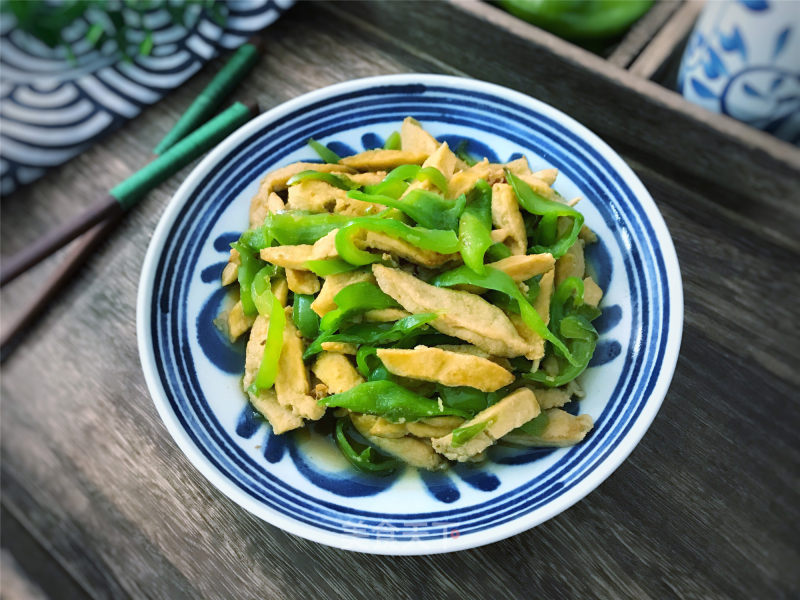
point(99, 502)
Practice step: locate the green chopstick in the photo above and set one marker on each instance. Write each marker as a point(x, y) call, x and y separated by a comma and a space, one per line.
point(212, 96)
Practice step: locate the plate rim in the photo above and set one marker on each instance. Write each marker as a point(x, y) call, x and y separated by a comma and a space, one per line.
point(414, 547)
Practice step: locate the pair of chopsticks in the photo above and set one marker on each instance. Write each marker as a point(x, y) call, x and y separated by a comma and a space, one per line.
point(186, 141)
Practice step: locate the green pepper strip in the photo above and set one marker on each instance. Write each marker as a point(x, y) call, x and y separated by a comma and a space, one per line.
point(390, 401)
point(306, 320)
point(340, 181)
point(268, 305)
point(462, 435)
point(325, 153)
point(475, 225)
point(376, 373)
point(329, 266)
point(392, 142)
point(426, 208)
point(463, 398)
point(367, 459)
point(353, 300)
point(572, 324)
point(408, 172)
point(444, 242)
point(549, 211)
point(494, 279)
point(299, 227)
point(373, 334)
point(247, 272)
point(393, 188)
point(497, 251)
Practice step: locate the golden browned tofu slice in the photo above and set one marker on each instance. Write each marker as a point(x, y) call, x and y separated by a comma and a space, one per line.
point(231, 271)
point(517, 408)
point(383, 160)
point(238, 322)
point(592, 294)
point(323, 303)
point(414, 451)
point(314, 196)
point(542, 306)
point(506, 217)
point(403, 249)
point(443, 159)
point(265, 401)
point(340, 347)
point(325, 247)
point(461, 314)
point(433, 426)
point(523, 267)
point(380, 427)
point(571, 264)
point(415, 139)
point(291, 384)
point(281, 419)
point(464, 181)
point(276, 180)
point(336, 372)
point(547, 175)
point(563, 429)
point(288, 257)
point(302, 282)
point(452, 369)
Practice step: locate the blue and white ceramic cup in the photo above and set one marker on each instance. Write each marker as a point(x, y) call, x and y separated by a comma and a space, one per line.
point(743, 60)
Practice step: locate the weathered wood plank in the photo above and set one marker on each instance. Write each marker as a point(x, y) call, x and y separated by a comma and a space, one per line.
point(642, 32)
point(707, 505)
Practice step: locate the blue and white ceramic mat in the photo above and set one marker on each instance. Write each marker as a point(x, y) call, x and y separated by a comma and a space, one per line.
point(297, 481)
point(53, 108)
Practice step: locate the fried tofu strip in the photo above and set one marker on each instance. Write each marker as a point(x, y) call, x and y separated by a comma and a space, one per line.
point(403, 249)
point(563, 429)
point(448, 368)
point(266, 402)
point(339, 347)
point(288, 257)
point(302, 282)
point(464, 181)
point(413, 138)
point(383, 160)
point(523, 267)
point(592, 294)
point(238, 322)
point(414, 451)
point(336, 372)
point(542, 306)
point(426, 428)
point(276, 180)
point(314, 196)
point(323, 304)
point(231, 270)
point(291, 384)
point(517, 408)
point(507, 217)
point(571, 264)
point(461, 314)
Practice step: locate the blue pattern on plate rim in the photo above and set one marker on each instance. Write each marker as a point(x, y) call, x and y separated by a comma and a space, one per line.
point(349, 483)
point(535, 134)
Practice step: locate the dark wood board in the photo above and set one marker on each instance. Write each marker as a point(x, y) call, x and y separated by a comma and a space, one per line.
point(706, 506)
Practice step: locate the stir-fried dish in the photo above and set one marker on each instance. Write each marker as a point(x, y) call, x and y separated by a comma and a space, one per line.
point(433, 304)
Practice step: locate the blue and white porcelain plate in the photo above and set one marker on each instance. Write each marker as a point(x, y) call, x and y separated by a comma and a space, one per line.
point(295, 481)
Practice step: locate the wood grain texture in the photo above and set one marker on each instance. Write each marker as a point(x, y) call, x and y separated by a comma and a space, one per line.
point(639, 36)
point(706, 506)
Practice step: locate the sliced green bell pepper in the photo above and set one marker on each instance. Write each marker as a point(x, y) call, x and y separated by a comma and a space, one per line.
point(390, 401)
point(549, 211)
point(366, 458)
point(355, 299)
